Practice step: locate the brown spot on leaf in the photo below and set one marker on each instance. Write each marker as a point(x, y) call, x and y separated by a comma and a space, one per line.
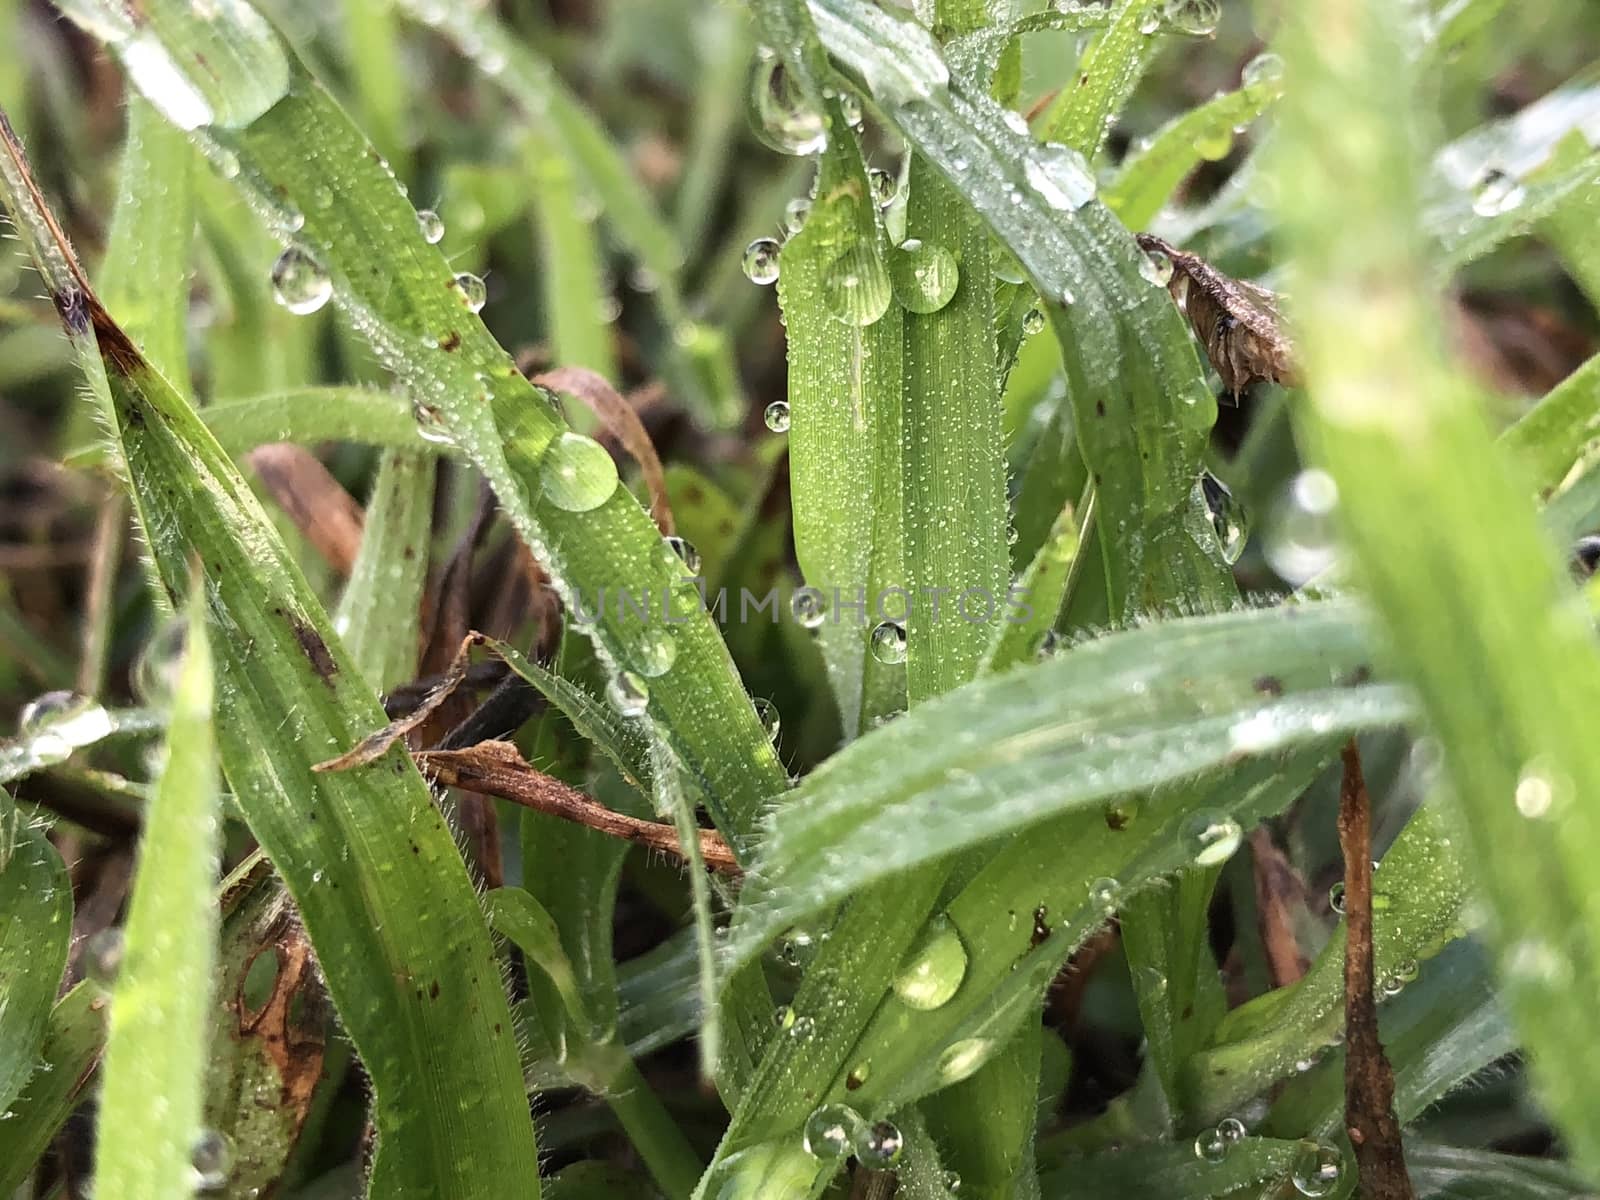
point(1269, 685)
point(451, 343)
point(314, 648)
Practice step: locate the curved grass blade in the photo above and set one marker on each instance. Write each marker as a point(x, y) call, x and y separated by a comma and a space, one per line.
point(151, 1098)
point(66, 1064)
point(367, 856)
point(1121, 715)
point(305, 416)
point(1043, 585)
point(1505, 664)
point(1417, 909)
point(1466, 1173)
point(1152, 173)
point(1559, 431)
point(35, 927)
point(1171, 1172)
point(1105, 78)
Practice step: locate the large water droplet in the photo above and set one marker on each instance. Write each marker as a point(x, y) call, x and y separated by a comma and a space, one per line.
point(629, 694)
point(932, 973)
point(795, 213)
point(856, 285)
point(1214, 145)
point(155, 672)
point(1226, 517)
point(1538, 791)
point(686, 552)
point(889, 642)
point(1497, 192)
point(884, 186)
point(809, 607)
point(1317, 1169)
point(879, 1145)
point(776, 416)
point(1198, 17)
point(472, 291)
point(779, 114)
point(1210, 837)
point(925, 275)
point(578, 473)
point(1301, 541)
point(1264, 70)
point(655, 651)
point(830, 1131)
point(1156, 267)
point(1211, 1147)
point(431, 227)
point(1231, 1130)
point(761, 261)
point(959, 1060)
point(1060, 175)
point(767, 713)
point(1336, 898)
point(431, 425)
point(211, 1157)
point(1105, 894)
point(299, 282)
point(102, 955)
point(1033, 321)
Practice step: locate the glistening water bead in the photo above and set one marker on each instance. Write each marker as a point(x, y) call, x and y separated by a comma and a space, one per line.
point(211, 1158)
point(879, 1145)
point(830, 1131)
point(761, 261)
point(299, 282)
point(1196, 17)
point(472, 291)
point(431, 227)
point(1317, 1169)
point(776, 416)
point(889, 643)
point(1156, 267)
point(1210, 838)
point(578, 473)
point(629, 694)
point(925, 275)
point(932, 973)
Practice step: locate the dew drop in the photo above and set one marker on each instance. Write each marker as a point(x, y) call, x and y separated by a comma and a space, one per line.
point(803, 1029)
point(1156, 267)
point(472, 291)
point(64, 713)
point(1231, 1130)
point(932, 972)
point(761, 261)
point(1197, 17)
point(850, 106)
point(1226, 515)
point(776, 416)
point(799, 948)
point(960, 1059)
point(856, 285)
point(155, 672)
point(299, 283)
point(102, 955)
point(1060, 175)
point(809, 607)
point(1300, 541)
point(1336, 898)
point(1537, 792)
point(628, 693)
point(830, 1131)
point(884, 186)
point(779, 114)
point(655, 652)
point(1211, 1147)
point(879, 1145)
point(1120, 813)
point(1497, 193)
point(1214, 145)
point(1105, 894)
point(430, 225)
point(686, 552)
point(889, 642)
point(1211, 837)
point(1317, 1169)
point(858, 1076)
point(578, 473)
point(795, 213)
point(1263, 70)
point(1149, 23)
point(767, 713)
point(1033, 321)
point(925, 275)
point(952, 1182)
point(211, 1158)
point(430, 424)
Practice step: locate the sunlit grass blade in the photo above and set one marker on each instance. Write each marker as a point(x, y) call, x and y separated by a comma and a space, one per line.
point(367, 856)
point(154, 1074)
point(1472, 594)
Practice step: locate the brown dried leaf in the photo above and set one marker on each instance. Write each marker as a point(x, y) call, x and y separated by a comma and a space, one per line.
point(1238, 323)
point(313, 499)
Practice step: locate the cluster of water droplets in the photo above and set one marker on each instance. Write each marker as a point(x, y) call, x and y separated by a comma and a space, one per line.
point(1215, 1144)
point(836, 1130)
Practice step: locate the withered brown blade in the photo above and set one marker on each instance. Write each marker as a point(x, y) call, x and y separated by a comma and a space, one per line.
point(1237, 322)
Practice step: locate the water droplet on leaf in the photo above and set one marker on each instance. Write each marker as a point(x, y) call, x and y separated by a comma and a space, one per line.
point(431, 227)
point(889, 642)
point(925, 275)
point(761, 261)
point(102, 955)
point(879, 1145)
point(578, 473)
point(1033, 321)
point(856, 285)
point(299, 283)
point(1263, 70)
point(830, 1131)
point(685, 551)
point(1497, 193)
point(1060, 175)
point(1156, 267)
point(472, 291)
point(776, 416)
point(1316, 1169)
point(211, 1157)
point(932, 973)
point(809, 606)
point(1197, 17)
point(1211, 837)
point(1300, 541)
point(779, 114)
point(629, 694)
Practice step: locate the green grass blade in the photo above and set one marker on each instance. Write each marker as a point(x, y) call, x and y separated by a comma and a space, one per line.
point(1142, 409)
point(845, 436)
point(152, 1095)
point(1152, 173)
point(574, 273)
point(1562, 429)
point(66, 1060)
point(380, 614)
point(368, 858)
point(673, 801)
point(310, 415)
point(1171, 1172)
point(1043, 585)
point(378, 76)
point(1466, 1173)
point(1472, 594)
point(1105, 78)
point(146, 271)
point(35, 927)
point(1008, 751)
